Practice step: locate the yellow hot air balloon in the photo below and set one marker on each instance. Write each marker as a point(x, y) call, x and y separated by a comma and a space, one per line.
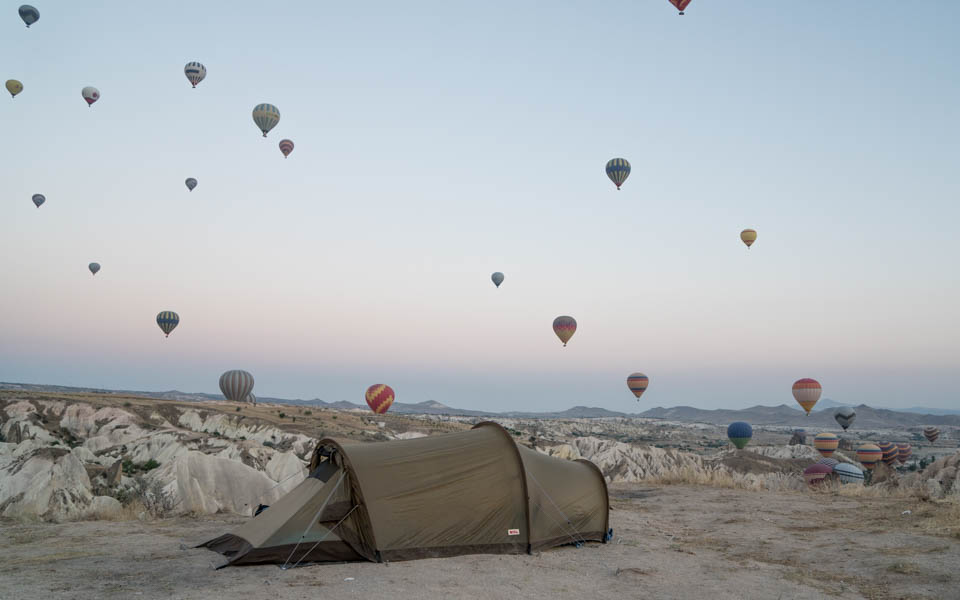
point(748, 237)
point(14, 87)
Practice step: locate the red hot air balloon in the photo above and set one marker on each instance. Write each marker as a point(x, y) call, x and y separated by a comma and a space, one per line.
point(286, 147)
point(815, 474)
point(680, 4)
point(806, 392)
point(564, 327)
point(379, 398)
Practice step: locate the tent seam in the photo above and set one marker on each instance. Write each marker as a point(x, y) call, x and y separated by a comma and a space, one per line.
point(523, 475)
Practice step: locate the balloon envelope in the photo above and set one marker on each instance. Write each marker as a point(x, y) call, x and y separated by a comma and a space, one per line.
point(638, 382)
point(890, 452)
point(826, 443)
point(680, 5)
point(191, 183)
point(845, 416)
point(618, 169)
point(816, 473)
point(236, 385)
point(90, 94)
point(195, 72)
point(266, 116)
point(168, 320)
point(905, 451)
point(39, 199)
point(14, 87)
point(931, 433)
point(497, 278)
point(94, 267)
point(29, 14)
point(848, 473)
point(830, 462)
point(806, 392)
point(286, 147)
point(748, 237)
point(739, 432)
point(564, 327)
point(869, 455)
point(379, 397)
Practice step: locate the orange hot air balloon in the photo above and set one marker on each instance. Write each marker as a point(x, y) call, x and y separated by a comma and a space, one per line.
point(826, 443)
point(379, 398)
point(748, 237)
point(564, 327)
point(638, 382)
point(806, 392)
point(869, 455)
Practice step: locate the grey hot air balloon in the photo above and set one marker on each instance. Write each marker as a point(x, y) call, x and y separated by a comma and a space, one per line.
point(94, 267)
point(497, 278)
point(39, 199)
point(251, 399)
point(191, 183)
point(236, 385)
point(29, 14)
point(845, 416)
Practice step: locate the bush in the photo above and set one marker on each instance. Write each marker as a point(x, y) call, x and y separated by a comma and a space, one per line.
point(238, 409)
point(127, 405)
point(308, 412)
point(283, 415)
point(269, 444)
point(150, 465)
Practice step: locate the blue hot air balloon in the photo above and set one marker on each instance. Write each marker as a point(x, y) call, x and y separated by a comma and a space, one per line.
point(168, 321)
point(618, 169)
point(740, 433)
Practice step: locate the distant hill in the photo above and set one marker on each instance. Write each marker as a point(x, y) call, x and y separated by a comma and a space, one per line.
point(784, 414)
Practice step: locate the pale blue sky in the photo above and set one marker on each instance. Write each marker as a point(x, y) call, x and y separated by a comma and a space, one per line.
point(437, 142)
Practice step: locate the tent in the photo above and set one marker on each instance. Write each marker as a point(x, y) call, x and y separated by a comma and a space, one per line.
point(472, 492)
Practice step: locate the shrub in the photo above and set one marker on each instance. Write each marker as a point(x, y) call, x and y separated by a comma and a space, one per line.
point(127, 405)
point(150, 465)
point(269, 444)
point(308, 412)
point(238, 409)
point(283, 415)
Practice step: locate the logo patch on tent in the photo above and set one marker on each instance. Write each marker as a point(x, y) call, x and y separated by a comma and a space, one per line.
point(513, 532)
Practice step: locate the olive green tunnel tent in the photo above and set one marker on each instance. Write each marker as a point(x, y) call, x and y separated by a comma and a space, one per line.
point(472, 492)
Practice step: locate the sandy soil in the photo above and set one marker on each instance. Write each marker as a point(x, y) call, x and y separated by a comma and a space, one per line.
point(669, 542)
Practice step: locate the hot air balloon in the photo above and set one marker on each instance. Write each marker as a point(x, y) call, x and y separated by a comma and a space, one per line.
point(195, 72)
point(638, 382)
point(379, 398)
point(739, 433)
point(618, 169)
point(931, 433)
point(869, 455)
point(29, 14)
point(251, 399)
point(266, 116)
point(236, 385)
point(830, 462)
point(806, 392)
point(497, 278)
point(826, 443)
point(848, 473)
point(286, 146)
point(564, 327)
point(168, 321)
point(94, 267)
point(889, 452)
point(748, 237)
point(905, 451)
point(191, 183)
point(680, 4)
point(845, 416)
point(816, 474)
point(14, 87)
point(39, 199)
point(90, 94)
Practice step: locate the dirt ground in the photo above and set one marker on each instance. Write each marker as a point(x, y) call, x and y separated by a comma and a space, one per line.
point(669, 542)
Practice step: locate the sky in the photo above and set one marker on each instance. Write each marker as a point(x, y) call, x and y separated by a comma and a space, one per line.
point(438, 142)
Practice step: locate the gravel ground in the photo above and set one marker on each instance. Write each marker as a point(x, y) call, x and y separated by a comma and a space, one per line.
point(678, 542)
